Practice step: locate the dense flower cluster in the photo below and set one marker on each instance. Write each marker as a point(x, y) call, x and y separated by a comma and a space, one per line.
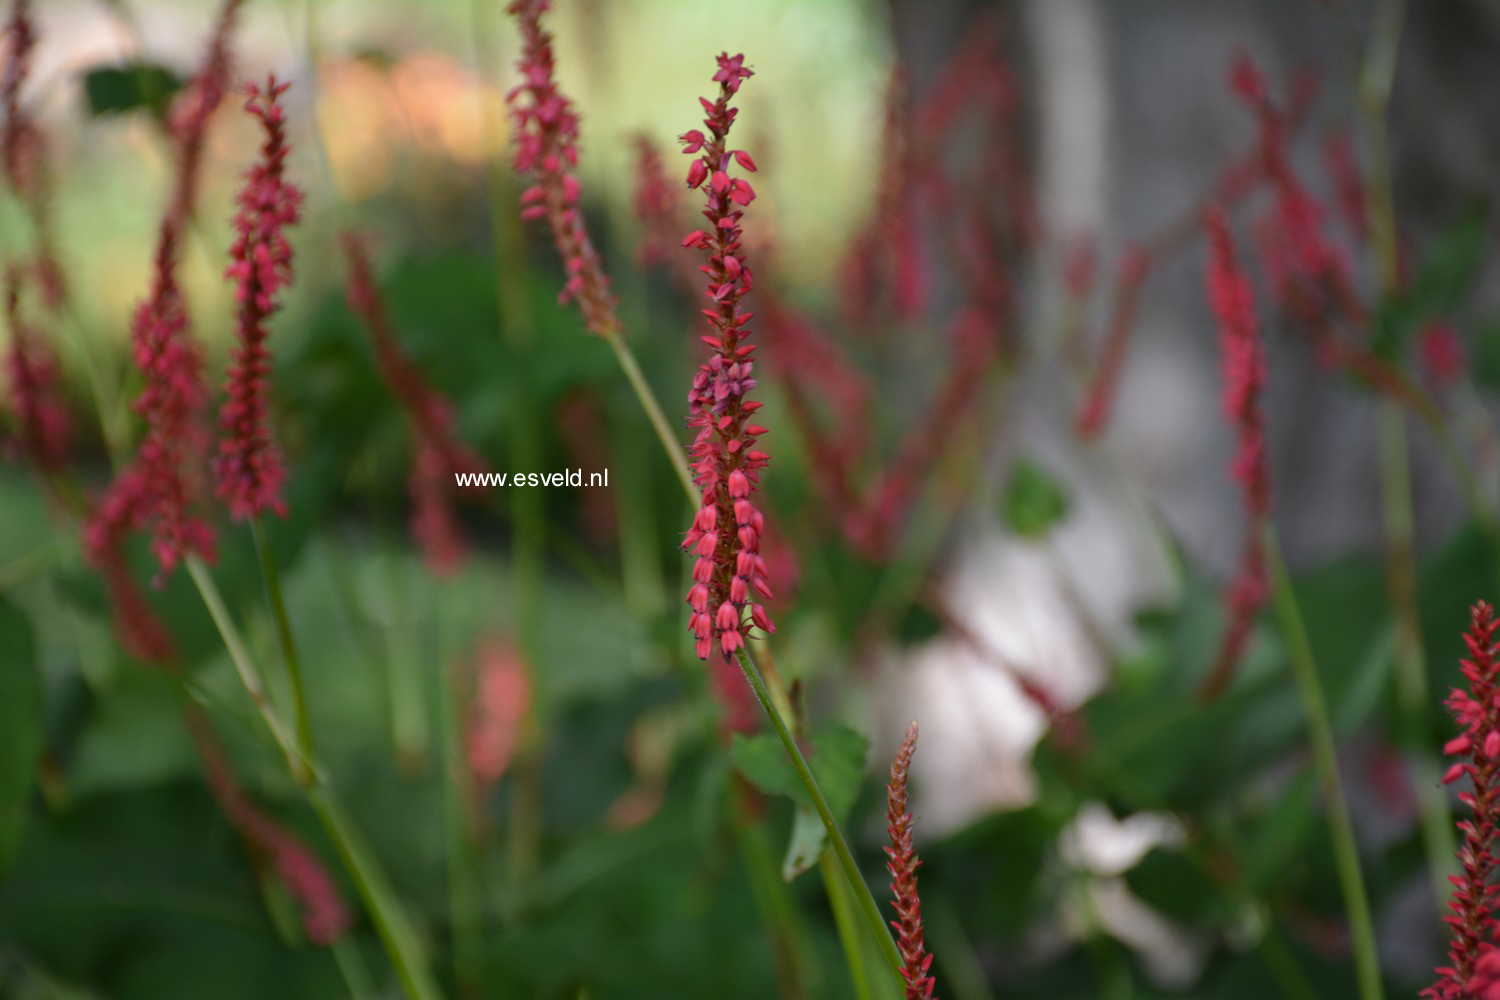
point(903, 863)
point(437, 451)
point(249, 469)
point(1244, 370)
point(1472, 951)
point(727, 528)
point(161, 488)
point(547, 147)
point(1309, 268)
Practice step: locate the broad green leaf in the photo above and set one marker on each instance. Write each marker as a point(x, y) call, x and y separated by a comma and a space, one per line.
point(20, 726)
point(836, 755)
point(805, 845)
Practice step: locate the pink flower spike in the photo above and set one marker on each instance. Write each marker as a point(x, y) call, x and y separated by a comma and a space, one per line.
point(249, 468)
point(546, 131)
point(903, 864)
point(725, 464)
point(1476, 896)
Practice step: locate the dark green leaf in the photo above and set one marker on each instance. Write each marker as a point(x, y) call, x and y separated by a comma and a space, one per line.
point(114, 90)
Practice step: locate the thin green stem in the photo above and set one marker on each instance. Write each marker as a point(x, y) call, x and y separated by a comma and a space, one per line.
point(825, 813)
point(272, 579)
point(380, 899)
point(772, 899)
point(384, 907)
point(664, 432)
point(249, 676)
point(844, 920)
point(1412, 695)
point(1325, 760)
point(352, 967)
point(30, 565)
point(1377, 76)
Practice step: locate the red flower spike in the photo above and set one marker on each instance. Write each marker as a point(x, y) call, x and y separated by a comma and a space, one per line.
point(1474, 970)
point(32, 385)
point(725, 466)
point(162, 486)
point(546, 128)
point(249, 469)
point(1244, 369)
point(903, 864)
point(438, 453)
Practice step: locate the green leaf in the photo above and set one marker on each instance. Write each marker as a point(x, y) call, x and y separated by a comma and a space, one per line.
point(20, 727)
point(114, 90)
point(806, 844)
point(836, 756)
point(1034, 502)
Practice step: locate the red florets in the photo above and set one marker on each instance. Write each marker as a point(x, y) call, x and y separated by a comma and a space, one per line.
point(163, 484)
point(1244, 369)
point(249, 469)
point(1473, 971)
point(546, 129)
point(903, 863)
point(726, 531)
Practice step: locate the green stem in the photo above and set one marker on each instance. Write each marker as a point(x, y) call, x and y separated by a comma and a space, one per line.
point(843, 919)
point(380, 899)
point(664, 432)
point(249, 676)
point(30, 565)
point(1325, 760)
point(284, 634)
point(1376, 78)
point(1412, 695)
point(772, 899)
point(352, 967)
point(820, 804)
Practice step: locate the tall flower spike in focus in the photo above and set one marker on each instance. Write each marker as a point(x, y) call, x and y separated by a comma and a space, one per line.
point(1244, 368)
point(249, 469)
point(727, 528)
point(903, 864)
point(1472, 952)
point(547, 147)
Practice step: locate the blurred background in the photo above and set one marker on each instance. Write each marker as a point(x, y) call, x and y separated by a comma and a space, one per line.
point(974, 220)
